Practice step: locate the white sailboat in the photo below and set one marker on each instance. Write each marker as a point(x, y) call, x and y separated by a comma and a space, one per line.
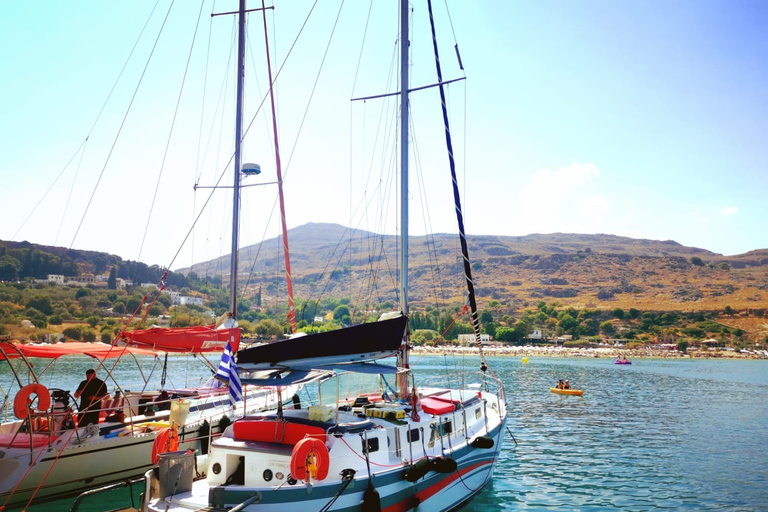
point(45, 454)
point(372, 439)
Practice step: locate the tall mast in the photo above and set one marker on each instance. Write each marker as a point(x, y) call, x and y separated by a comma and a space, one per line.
point(238, 160)
point(403, 389)
point(404, 156)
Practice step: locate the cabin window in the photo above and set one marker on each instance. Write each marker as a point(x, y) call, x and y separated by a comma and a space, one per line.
point(444, 428)
point(477, 413)
point(413, 435)
point(371, 445)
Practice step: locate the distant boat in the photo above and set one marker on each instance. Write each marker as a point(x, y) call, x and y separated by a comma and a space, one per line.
point(577, 392)
point(625, 361)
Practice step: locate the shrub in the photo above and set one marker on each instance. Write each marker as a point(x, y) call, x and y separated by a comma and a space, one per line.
point(577, 343)
point(634, 345)
point(72, 333)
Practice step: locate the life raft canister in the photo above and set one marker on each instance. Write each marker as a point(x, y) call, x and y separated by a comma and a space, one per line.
point(167, 440)
point(21, 404)
point(310, 458)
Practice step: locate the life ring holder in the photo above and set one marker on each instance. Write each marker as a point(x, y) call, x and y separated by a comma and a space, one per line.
point(310, 459)
point(22, 402)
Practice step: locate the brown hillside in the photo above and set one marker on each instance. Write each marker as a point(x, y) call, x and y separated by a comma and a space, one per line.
point(583, 271)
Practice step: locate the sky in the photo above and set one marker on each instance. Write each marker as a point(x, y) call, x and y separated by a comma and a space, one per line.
point(640, 119)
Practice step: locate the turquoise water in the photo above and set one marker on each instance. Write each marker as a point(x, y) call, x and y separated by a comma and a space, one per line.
point(661, 434)
point(656, 435)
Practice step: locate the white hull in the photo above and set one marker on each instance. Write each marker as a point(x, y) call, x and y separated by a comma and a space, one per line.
point(435, 491)
point(78, 462)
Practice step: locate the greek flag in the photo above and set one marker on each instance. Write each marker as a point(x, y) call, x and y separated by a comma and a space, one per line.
point(228, 372)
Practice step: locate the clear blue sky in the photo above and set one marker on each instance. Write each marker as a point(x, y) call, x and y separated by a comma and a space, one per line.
point(643, 119)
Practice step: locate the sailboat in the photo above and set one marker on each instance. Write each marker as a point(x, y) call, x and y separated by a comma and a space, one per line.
point(46, 454)
point(372, 439)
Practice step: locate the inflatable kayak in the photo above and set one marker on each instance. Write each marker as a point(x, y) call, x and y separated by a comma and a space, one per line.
point(577, 392)
point(623, 362)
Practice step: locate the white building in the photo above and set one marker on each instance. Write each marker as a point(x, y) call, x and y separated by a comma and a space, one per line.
point(470, 338)
point(56, 279)
point(184, 300)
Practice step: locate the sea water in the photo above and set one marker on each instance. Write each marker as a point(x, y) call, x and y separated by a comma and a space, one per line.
point(660, 434)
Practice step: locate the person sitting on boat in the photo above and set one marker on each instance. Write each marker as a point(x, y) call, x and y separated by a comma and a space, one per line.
point(163, 401)
point(90, 392)
point(560, 384)
point(567, 385)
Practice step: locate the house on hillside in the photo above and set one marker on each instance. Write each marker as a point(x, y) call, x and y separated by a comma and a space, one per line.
point(56, 279)
point(470, 338)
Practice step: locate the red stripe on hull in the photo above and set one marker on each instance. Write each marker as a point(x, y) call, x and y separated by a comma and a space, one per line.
point(425, 494)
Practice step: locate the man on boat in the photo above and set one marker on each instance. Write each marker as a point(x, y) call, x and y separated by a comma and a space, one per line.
point(90, 391)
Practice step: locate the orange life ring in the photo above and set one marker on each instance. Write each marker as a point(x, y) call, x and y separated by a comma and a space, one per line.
point(310, 459)
point(21, 404)
point(167, 440)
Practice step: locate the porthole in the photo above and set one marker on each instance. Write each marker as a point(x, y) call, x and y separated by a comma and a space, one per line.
point(216, 468)
point(267, 475)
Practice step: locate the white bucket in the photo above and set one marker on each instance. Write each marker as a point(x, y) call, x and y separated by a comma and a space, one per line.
point(179, 411)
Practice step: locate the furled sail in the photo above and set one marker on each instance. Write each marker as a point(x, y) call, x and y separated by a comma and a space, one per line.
point(363, 342)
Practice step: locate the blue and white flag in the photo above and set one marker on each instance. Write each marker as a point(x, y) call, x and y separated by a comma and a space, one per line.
point(228, 372)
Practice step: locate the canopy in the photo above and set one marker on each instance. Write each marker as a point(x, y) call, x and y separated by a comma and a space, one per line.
point(287, 377)
point(201, 338)
point(56, 350)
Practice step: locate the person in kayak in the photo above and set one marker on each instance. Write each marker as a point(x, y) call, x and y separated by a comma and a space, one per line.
point(560, 384)
point(567, 385)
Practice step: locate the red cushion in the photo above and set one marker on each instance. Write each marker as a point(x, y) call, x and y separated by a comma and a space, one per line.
point(271, 431)
point(22, 440)
point(433, 405)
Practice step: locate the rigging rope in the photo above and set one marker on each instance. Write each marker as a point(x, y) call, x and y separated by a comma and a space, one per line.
point(122, 124)
point(98, 116)
point(456, 197)
point(170, 132)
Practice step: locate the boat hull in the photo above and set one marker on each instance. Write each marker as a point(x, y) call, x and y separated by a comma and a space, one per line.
point(577, 392)
point(74, 461)
point(470, 436)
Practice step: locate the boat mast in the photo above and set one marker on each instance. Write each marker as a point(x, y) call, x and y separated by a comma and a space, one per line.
point(238, 160)
point(402, 380)
point(404, 156)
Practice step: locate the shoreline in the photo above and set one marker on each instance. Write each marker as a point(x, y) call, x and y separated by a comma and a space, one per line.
point(600, 352)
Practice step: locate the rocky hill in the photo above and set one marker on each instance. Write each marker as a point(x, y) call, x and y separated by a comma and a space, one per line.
point(583, 271)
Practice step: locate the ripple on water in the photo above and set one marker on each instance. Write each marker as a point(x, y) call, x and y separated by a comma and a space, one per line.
point(659, 435)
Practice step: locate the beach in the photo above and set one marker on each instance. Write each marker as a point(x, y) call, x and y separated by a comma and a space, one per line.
point(611, 351)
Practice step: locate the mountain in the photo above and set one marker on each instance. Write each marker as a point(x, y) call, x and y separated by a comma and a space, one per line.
point(583, 271)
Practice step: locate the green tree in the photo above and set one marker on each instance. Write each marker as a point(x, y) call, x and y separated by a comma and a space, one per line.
point(567, 323)
point(82, 292)
point(618, 313)
point(729, 311)
point(72, 333)
point(634, 313)
point(10, 268)
point(112, 281)
point(41, 303)
point(695, 260)
point(607, 328)
point(682, 346)
point(340, 312)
